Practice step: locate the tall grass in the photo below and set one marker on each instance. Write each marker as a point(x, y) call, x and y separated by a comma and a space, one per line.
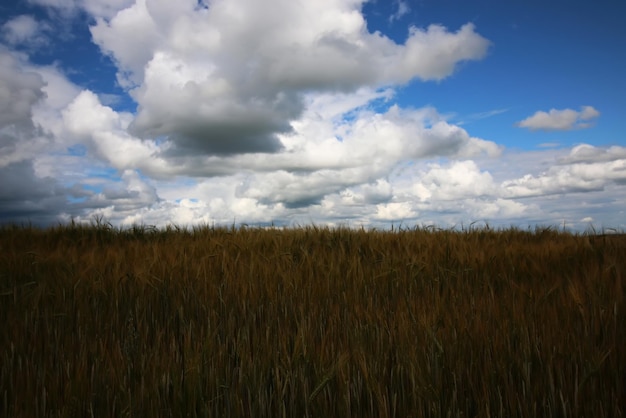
point(310, 322)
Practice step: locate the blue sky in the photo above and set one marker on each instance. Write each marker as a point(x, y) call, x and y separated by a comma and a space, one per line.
point(556, 54)
point(332, 112)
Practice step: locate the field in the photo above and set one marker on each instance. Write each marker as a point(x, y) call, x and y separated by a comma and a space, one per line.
point(311, 322)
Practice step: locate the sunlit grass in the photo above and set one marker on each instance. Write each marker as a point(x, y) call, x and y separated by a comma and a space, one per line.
point(310, 322)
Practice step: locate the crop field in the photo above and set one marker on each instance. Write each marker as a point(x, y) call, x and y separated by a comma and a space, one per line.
point(311, 322)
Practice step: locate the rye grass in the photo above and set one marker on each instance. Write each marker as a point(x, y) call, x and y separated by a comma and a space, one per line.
point(311, 322)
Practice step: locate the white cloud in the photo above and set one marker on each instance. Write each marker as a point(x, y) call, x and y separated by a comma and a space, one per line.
point(497, 208)
point(230, 77)
point(433, 54)
point(585, 153)
point(458, 180)
point(585, 169)
point(316, 174)
point(358, 149)
point(85, 115)
point(105, 131)
point(551, 182)
point(96, 8)
point(560, 120)
point(395, 211)
point(25, 194)
point(31, 98)
point(58, 90)
point(20, 89)
point(25, 30)
point(113, 36)
point(251, 116)
point(403, 9)
point(376, 192)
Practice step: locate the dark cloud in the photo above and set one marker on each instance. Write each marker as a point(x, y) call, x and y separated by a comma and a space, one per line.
point(223, 138)
point(19, 91)
point(26, 198)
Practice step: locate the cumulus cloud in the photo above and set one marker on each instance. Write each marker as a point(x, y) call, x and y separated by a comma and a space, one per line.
point(339, 135)
point(104, 131)
point(42, 115)
point(20, 89)
point(256, 113)
point(552, 182)
point(376, 192)
point(395, 211)
point(58, 93)
point(560, 120)
point(585, 153)
point(231, 76)
point(585, 169)
point(458, 180)
point(326, 155)
point(135, 193)
point(120, 201)
point(338, 166)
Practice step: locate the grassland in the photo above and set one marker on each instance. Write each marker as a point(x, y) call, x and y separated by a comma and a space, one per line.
point(311, 322)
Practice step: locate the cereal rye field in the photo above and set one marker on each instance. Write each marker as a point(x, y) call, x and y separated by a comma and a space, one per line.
point(311, 322)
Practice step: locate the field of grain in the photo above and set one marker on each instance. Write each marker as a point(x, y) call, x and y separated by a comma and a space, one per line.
point(311, 322)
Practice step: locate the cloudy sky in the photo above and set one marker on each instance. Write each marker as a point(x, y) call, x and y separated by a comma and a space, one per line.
point(333, 112)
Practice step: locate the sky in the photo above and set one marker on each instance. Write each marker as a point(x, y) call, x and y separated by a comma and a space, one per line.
point(356, 113)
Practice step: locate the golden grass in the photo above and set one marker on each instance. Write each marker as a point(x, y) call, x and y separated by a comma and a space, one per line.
point(312, 322)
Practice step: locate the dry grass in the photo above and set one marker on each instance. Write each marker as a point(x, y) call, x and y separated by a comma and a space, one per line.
point(311, 322)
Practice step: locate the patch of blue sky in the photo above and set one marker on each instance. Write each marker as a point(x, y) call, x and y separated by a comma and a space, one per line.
point(78, 150)
point(565, 64)
point(192, 200)
point(106, 173)
point(185, 182)
point(69, 48)
point(94, 188)
point(379, 19)
point(75, 200)
point(160, 140)
point(383, 103)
